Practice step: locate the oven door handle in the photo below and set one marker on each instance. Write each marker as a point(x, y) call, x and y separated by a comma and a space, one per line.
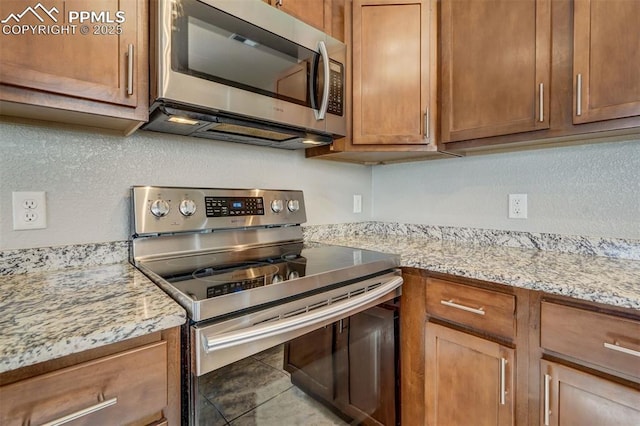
point(325, 314)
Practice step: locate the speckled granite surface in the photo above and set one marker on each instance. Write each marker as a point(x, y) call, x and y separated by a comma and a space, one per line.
point(99, 299)
point(21, 261)
point(577, 244)
point(593, 278)
point(52, 314)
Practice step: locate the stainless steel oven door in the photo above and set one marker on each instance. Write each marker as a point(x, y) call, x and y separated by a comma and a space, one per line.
point(223, 343)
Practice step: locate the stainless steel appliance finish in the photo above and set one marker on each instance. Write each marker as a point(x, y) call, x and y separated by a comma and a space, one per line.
point(236, 261)
point(244, 71)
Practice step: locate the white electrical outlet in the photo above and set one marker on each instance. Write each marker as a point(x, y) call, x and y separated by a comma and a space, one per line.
point(517, 206)
point(29, 210)
point(357, 203)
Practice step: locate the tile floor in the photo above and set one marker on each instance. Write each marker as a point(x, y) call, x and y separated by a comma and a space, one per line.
point(256, 391)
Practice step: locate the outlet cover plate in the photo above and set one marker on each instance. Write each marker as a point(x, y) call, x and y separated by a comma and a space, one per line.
point(518, 206)
point(357, 203)
point(29, 210)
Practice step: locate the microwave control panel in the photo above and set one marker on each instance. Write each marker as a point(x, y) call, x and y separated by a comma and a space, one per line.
point(336, 88)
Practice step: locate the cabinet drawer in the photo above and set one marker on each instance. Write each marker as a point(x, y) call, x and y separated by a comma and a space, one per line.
point(600, 339)
point(484, 310)
point(121, 388)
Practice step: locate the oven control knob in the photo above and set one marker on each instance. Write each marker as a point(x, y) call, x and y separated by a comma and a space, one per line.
point(277, 278)
point(159, 208)
point(293, 205)
point(277, 206)
point(187, 207)
point(293, 275)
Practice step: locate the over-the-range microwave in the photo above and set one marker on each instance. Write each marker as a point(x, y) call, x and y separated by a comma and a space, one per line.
point(244, 71)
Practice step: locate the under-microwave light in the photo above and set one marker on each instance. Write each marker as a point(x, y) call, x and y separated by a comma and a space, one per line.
point(310, 142)
point(183, 120)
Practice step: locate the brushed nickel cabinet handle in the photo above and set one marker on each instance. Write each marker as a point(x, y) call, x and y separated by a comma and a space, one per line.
point(278, 3)
point(451, 303)
point(541, 102)
point(426, 124)
point(84, 412)
point(503, 381)
point(579, 94)
point(617, 347)
point(547, 409)
point(130, 70)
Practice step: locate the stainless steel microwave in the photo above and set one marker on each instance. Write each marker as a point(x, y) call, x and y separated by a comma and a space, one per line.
point(244, 71)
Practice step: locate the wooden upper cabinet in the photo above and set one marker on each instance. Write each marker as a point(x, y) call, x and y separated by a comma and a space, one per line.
point(393, 77)
point(98, 67)
point(313, 12)
point(495, 67)
point(606, 59)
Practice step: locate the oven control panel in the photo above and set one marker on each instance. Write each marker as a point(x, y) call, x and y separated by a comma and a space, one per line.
point(234, 206)
point(159, 210)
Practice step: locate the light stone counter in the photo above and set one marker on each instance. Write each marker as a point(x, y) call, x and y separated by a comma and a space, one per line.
point(594, 278)
point(47, 315)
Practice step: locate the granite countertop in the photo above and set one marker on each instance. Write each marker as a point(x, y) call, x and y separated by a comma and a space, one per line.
point(47, 315)
point(594, 278)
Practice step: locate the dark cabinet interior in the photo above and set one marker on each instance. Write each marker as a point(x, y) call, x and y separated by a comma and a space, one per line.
point(351, 365)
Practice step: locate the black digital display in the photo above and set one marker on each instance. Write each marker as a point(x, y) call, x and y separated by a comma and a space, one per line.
point(234, 206)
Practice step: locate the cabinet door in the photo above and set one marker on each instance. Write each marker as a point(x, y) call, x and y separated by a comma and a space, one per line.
point(309, 359)
point(392, 72)
point(84, 60)
point(367, 383)
point(469, 380)
point(313, 12)
point(606, 59)
point(495, 67)
point(572, 397)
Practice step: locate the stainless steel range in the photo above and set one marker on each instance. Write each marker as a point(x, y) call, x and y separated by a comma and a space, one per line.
point(236, 261)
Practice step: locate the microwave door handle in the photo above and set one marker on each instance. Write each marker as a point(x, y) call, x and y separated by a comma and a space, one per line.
point(324, 104)
point(329, 313)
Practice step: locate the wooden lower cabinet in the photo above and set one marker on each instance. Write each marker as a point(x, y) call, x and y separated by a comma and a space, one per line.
point(309, 359)
point(351, 366)
point(469, 380)
point(574, 397)
point(365, 357)
point(134, 382)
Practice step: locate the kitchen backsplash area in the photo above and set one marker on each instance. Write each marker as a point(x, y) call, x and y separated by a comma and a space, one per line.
point(87, 173)
point(583, 199)
point(591, 190)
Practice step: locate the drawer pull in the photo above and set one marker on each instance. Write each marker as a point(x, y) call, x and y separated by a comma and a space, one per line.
point(622, 349)
point(451, 303)
point(503, 381)
point(84, 412)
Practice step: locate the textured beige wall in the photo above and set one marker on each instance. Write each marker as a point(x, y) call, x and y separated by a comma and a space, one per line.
point(590, 190)
point(87, 174)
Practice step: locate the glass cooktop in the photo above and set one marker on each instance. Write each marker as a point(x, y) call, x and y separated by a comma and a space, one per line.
point(212, 284)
